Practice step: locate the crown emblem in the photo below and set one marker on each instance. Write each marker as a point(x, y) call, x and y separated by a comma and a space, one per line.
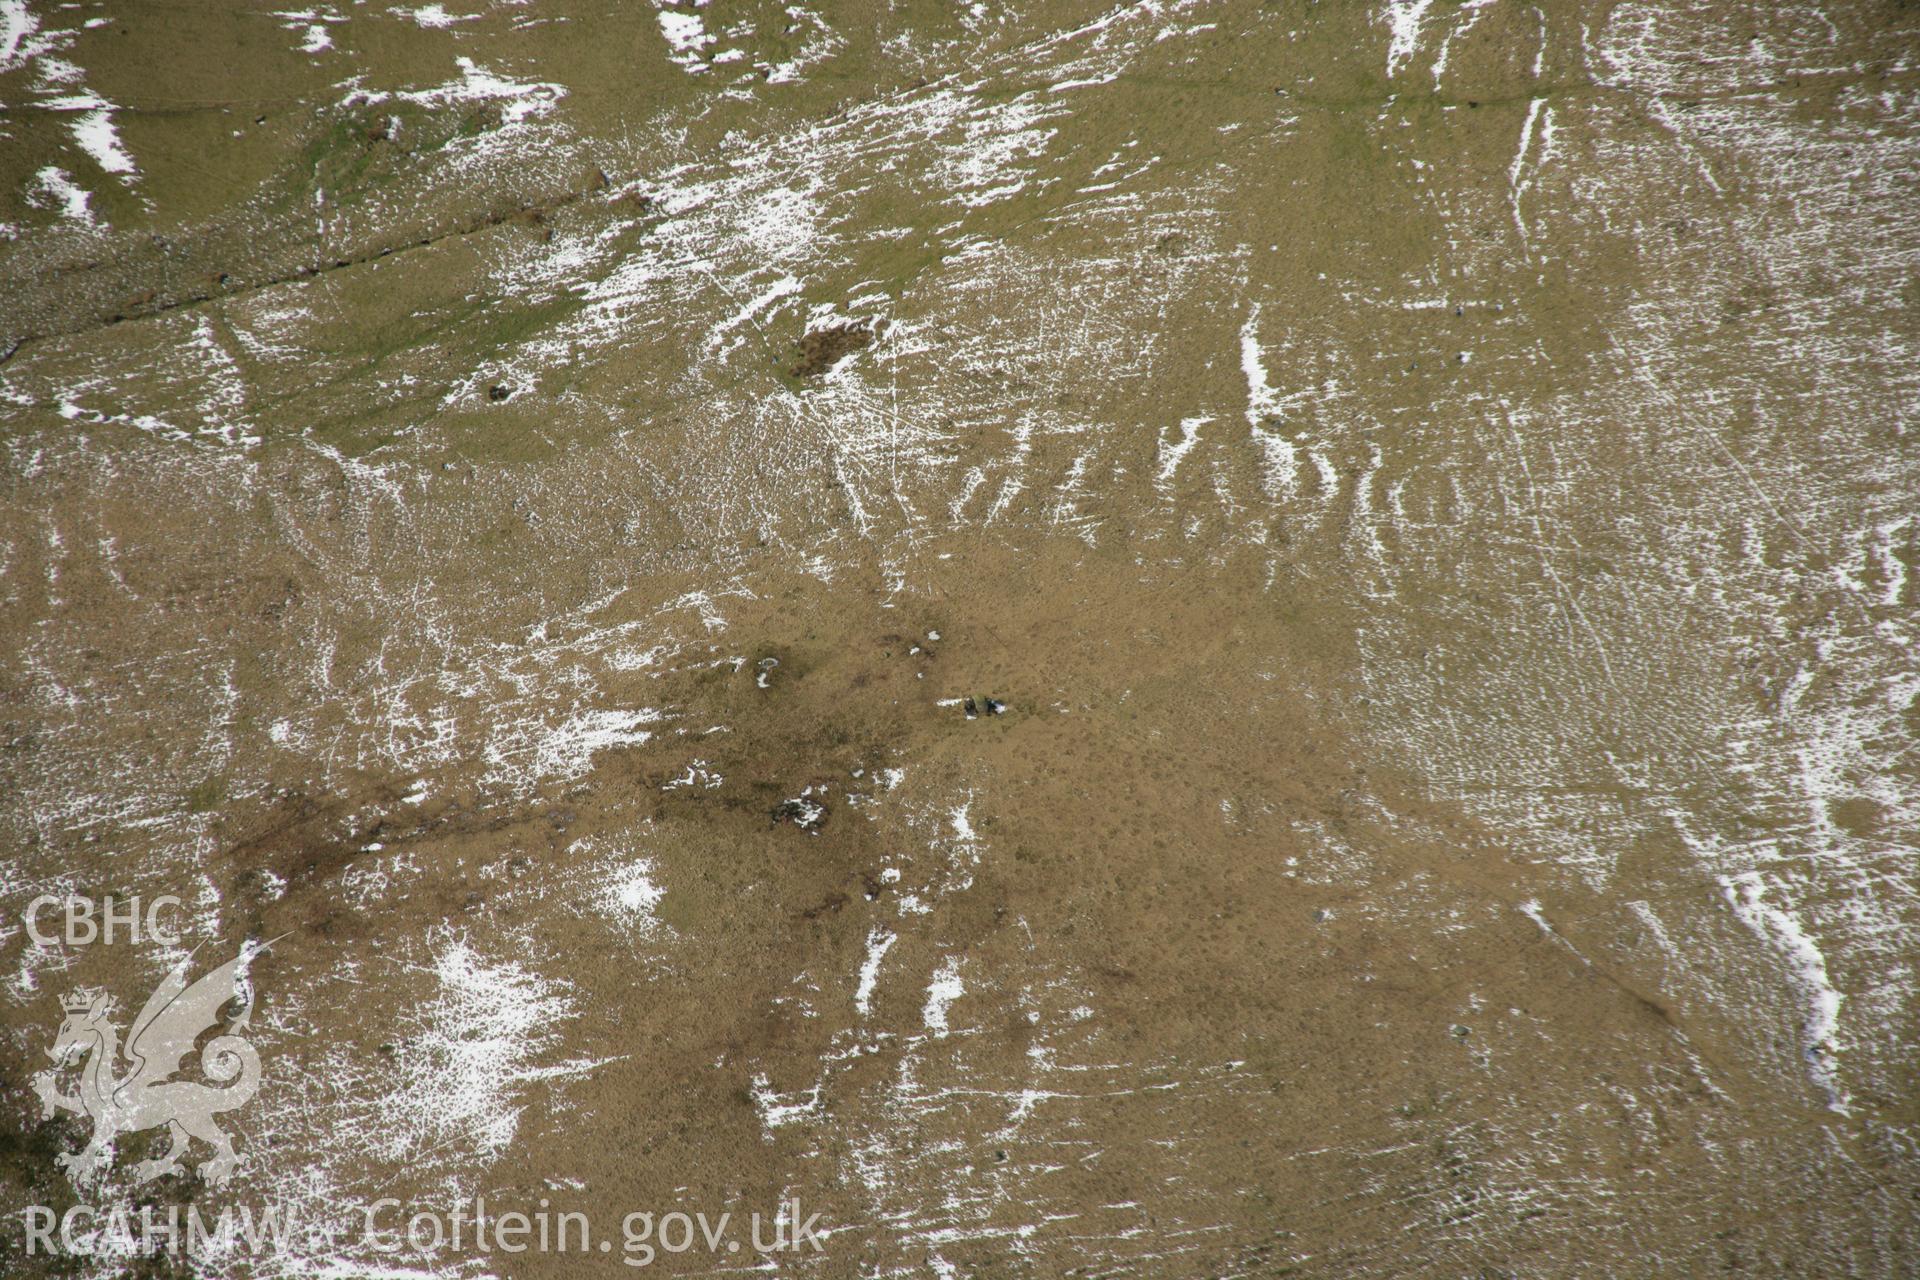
point(76, 1002)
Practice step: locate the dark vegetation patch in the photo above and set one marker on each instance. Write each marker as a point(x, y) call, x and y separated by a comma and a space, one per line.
point(821, 349)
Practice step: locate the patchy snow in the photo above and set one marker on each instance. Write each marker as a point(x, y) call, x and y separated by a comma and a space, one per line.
point(1807, 970)
point(435, 17)
point(56, 187)
point(17, 25)
point(631, 896)
point(687, 36)
point(1281, 459)
point(93, 130)
point(1172, 452)
point(1404, 18)
point(466, 1056)
point(775, 1111)
point(942, 991)
point(566, 750)
point(519, 101)
point(879, 942)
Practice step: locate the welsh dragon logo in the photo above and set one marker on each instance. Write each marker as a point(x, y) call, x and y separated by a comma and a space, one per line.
point(174, 1017)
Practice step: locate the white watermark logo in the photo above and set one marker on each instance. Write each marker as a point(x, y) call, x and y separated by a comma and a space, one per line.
point(385, 1228)
point(125, 1089)
point(85, 924)
point(133, 1080)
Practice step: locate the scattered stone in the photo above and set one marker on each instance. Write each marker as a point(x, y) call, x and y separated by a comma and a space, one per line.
point(802, 811)
point(499, 391)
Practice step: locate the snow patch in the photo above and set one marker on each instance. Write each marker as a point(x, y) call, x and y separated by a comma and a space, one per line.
point(1404, 18)
point(1281, 458)
point(879, 942)
point(1746, 894)
point(942, 991)
point(53, 184)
